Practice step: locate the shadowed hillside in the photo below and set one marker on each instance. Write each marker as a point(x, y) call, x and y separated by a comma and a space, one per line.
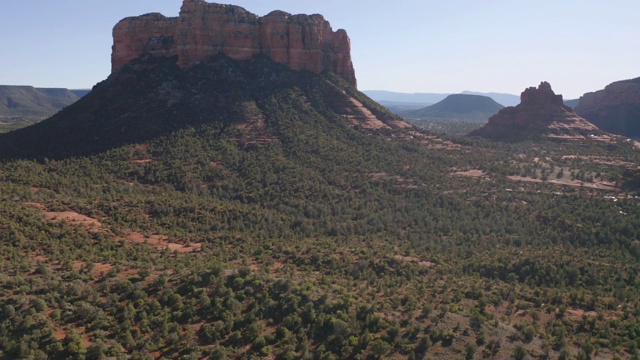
point(139, 104)
point(615, 109)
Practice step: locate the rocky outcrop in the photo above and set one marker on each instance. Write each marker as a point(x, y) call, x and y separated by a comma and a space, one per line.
point(203, 30)
point(615, 109)
point(541, 113)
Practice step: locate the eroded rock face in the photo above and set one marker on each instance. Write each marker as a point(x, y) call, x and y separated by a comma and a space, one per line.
point(540, 113)
point(203, 30)
point(152, 34)
point(616, 108)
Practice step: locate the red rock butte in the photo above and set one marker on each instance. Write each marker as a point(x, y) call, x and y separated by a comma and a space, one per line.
point(203, 30)
point(540, 112)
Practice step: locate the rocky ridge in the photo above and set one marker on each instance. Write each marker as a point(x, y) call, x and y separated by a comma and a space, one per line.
point(541, 113)
point(615, 109)
point(203, 30)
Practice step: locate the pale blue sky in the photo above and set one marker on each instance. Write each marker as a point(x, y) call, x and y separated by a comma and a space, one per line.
point(403, 45)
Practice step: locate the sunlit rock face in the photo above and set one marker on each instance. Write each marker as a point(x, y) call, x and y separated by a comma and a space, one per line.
point(203, 30)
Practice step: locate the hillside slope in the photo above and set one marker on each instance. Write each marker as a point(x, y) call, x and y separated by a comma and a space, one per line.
point(28, 102)
point(139, 104)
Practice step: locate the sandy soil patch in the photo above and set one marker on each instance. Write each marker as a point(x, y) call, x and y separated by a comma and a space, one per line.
point(60, 334)
point(277, 266)
point(71, 217)
point(378, 175)
point(414, 260)
point(577, 313)
point(471, 173)
point(142, 161)
point(96, 270)
point(575, 183)
point(162, 242)
point(40, 258)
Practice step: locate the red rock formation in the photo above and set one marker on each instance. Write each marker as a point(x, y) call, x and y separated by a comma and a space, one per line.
point(540, 113)
point(147, 34)
point(617, 93)
point(202, 30)
point(615, 109)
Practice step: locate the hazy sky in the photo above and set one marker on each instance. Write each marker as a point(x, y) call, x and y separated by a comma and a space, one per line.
point(402, 45)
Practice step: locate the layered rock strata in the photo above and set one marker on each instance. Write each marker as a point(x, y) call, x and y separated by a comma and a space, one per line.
point(203, 30)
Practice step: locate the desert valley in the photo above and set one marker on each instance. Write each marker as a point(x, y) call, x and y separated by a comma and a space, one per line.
point(228, 193)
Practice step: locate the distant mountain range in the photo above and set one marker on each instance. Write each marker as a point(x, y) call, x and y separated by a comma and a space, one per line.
point(20, 103)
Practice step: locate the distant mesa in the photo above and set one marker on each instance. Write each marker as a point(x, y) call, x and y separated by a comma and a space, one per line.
point(203, 30)
point(500, 98)
point(615, 109)
point(458, 107)
point(541, 113)
point(80, 92)
point(427, 99)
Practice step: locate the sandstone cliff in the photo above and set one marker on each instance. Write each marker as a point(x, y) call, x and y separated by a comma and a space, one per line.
point(616, 108)
point(540, 113)
point(203, 30)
